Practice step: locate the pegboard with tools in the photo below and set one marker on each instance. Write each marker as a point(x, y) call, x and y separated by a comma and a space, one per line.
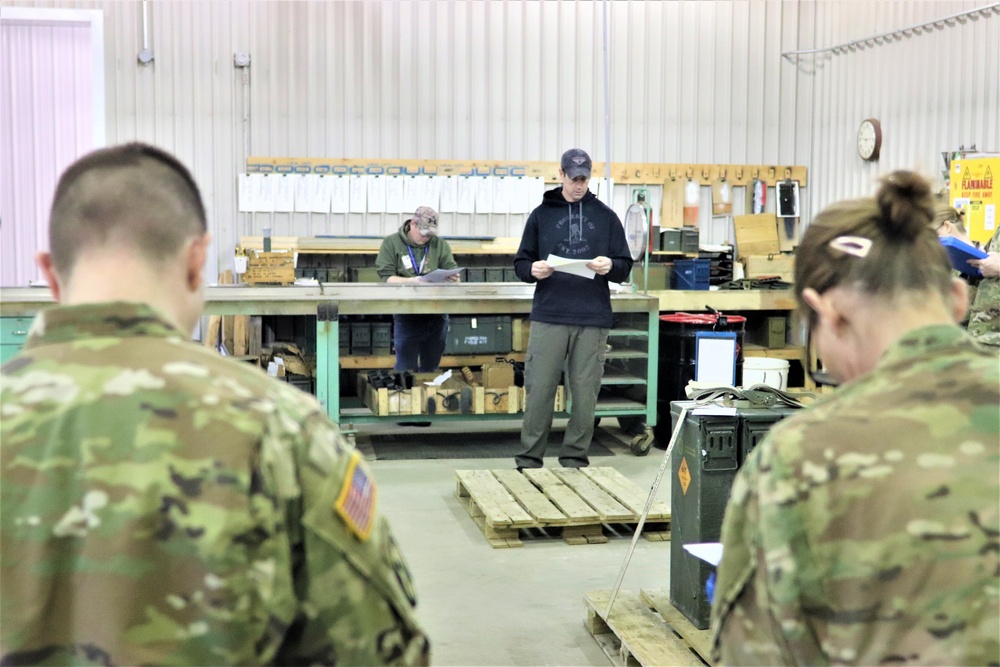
point(633, 173)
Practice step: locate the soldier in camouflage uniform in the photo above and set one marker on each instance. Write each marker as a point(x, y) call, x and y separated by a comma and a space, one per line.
point(984, 317)
point(866, 529)
point(160, 503)
point(949, 221)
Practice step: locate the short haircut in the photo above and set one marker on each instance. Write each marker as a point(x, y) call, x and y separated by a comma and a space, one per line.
point(905, 254)
point(134, 195)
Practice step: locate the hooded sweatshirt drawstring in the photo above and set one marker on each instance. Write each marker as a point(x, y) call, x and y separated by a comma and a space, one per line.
point(569, 236)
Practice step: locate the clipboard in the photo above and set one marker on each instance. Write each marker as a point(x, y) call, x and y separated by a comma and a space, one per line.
point(960, 253)
point(715, 357)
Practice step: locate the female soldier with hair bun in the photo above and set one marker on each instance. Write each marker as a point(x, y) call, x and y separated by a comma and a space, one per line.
point(864, 530)
point(949, 221)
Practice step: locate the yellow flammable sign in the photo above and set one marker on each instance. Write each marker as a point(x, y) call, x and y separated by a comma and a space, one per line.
point(974, 189)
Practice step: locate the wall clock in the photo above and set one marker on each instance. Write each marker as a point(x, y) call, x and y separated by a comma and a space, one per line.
point(869, 139)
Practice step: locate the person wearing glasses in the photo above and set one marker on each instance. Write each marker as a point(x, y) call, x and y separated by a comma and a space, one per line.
point(983, 318)
point(864, 529)
point(949, 221)
point(414, 251)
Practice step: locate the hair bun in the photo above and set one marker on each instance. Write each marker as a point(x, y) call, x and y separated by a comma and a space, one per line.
point(906, 204)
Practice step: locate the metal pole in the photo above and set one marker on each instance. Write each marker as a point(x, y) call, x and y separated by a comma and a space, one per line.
point(607, 105)
point(645, 510)
point(145, 26)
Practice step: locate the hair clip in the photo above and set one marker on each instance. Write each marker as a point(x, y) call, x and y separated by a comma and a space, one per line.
point(852, 245)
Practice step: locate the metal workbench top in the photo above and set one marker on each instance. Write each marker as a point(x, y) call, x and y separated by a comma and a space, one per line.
point(350, 299)
point(375, 298)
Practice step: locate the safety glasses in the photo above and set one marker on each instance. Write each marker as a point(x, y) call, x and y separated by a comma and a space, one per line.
point(820, 376)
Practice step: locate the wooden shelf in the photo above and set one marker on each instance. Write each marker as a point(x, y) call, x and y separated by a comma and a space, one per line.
point(306, 245)
point(727, 301)
point(638, 173)
point(453, 361)
point(790, 352)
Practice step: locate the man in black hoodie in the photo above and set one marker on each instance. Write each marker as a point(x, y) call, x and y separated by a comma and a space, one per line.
point(570, 314)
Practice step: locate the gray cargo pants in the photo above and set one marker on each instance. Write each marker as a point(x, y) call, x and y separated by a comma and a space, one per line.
point(551, 348)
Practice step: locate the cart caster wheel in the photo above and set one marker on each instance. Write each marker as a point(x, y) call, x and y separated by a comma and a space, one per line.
point(641, 444)
point(351, 440)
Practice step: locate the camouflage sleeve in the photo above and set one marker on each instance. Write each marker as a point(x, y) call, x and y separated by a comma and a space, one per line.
point(754, 622)
point(984, 315)
point(356, 598)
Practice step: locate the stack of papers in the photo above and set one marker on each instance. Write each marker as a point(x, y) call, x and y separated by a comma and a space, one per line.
point(439, 275)
point(578, 267)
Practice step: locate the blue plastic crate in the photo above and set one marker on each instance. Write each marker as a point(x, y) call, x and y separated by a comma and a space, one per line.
point(691, 274)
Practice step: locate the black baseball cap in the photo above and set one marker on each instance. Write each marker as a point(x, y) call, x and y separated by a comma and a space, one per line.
point(575, 163)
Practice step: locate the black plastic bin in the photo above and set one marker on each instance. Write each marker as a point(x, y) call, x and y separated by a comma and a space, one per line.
point(677, 358)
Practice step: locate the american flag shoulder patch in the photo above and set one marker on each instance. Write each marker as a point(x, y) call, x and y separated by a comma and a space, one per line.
point(356, 502)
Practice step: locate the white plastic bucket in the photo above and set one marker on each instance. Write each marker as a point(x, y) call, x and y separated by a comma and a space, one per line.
point(765, 370)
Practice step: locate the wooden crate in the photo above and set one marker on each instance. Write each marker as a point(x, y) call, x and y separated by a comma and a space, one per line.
point(779, 264)
point(519, 338)
point(756, 234)
point(645, 629)
point(451, 399)
point(384, 401)
point(577, 503)
point(502, 401)
point(270, 268)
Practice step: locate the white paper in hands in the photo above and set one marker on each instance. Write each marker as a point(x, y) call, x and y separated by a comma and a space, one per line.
point(439, 275)
point(578, 267)
point(710, 552)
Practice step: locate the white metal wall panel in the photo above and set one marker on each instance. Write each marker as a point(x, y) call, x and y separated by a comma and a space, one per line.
point(932, 90)
point(691, 81)
point(47, 116)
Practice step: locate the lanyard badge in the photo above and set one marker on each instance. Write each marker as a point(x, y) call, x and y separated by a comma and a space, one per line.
point(413, 260)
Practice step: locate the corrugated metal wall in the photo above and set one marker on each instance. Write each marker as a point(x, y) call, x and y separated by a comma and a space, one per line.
point(691, 81)
point(932, 90)
point(40, 135)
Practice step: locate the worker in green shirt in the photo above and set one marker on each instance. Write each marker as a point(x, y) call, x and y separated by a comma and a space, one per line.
point(413, 251)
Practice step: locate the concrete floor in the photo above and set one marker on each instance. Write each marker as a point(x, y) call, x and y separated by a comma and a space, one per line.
point(521, 606)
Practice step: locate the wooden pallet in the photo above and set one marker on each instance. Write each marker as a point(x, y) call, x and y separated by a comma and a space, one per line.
point(576, 503)
point(645, 629)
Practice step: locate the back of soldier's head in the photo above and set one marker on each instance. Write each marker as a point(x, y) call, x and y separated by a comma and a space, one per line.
point(882, 245)
point(134, 197)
